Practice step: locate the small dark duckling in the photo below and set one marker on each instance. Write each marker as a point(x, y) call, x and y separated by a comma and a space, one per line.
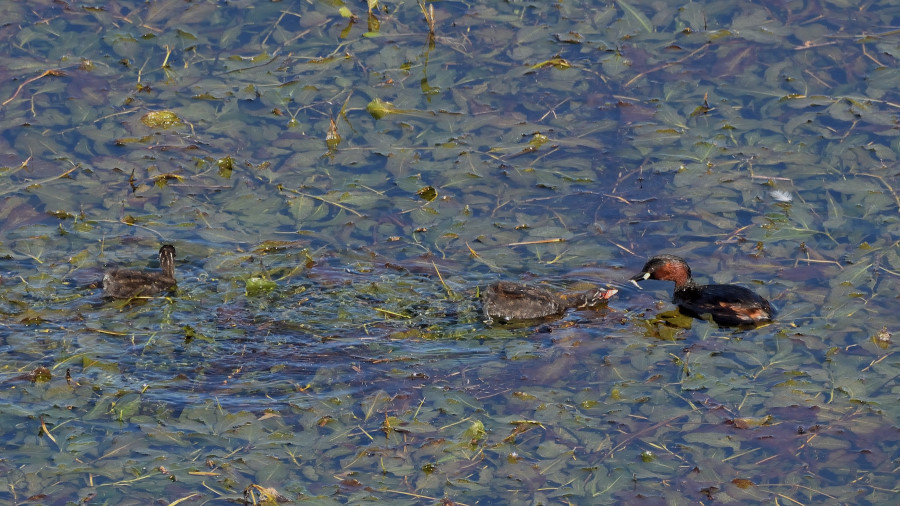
point(505, 301)
point(128, 283)
point(728, 305)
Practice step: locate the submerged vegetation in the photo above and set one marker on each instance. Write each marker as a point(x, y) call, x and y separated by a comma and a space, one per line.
point(340, 180)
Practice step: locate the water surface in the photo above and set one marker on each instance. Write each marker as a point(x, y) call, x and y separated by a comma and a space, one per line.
point(339, 183)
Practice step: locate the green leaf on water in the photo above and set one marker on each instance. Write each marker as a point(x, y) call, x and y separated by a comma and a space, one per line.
point(101, 407)
point(125, 407)
point(427, 193)
point(474, 433)
point(379, 108)
point(373, 24)
point(161, 119)
point(41, 375)
point(258, 286)
point(390, 424)
point(226, 165)
point(557, 63)
point(373, 402)
point(638, 15)
point(190, 334)
point(538, 140)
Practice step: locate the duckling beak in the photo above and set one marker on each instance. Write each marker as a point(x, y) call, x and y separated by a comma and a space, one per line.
point(640, 277)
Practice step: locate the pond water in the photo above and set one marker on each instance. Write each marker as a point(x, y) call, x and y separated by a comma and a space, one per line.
point(339, 184)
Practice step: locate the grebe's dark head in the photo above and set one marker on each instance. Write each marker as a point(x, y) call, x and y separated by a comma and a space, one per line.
point(665, 268)
point(167, 260)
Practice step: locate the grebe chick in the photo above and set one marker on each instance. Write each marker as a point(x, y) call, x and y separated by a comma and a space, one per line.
point(505, 301)
point(128, 283)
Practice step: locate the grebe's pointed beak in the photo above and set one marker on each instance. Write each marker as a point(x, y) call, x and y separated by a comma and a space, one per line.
point(640, 277)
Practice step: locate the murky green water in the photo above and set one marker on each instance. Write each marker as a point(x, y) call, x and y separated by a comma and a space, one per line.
point(338, 186)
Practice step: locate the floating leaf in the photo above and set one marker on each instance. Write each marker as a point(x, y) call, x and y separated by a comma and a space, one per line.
point(163, 179)
point(474, 433)
point(62, 215)
point(379, 108)
point(538, 140)
point(190, 333)
point(391, 424)
point(747, 423)
point(701, 109)
point(332, 138)
point(742, 483)
point(257, 286)
point(40, 374)
point(132, 140)
point(557, 63)
point(226, 165)
point(161, 119)
point(373, 23)
point(882, 338)
point(569, 38)
point(427, 193)
point(638, 15)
